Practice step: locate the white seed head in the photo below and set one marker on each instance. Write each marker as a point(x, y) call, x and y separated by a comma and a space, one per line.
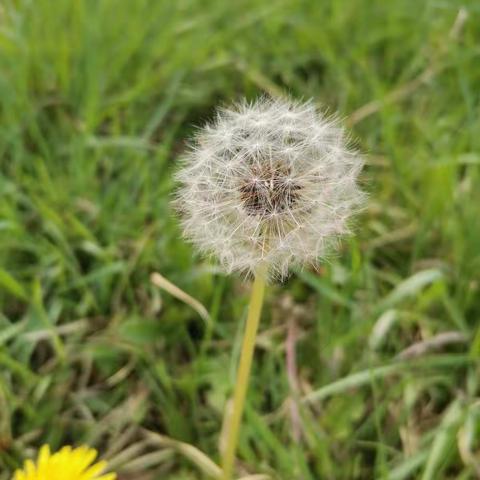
point(268, 182)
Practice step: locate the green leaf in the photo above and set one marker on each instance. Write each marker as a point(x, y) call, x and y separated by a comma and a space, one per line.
point(443, 442)
point(10, 284)
point(410, 287)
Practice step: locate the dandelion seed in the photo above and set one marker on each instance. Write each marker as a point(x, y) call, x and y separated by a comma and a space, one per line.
point(270, 182)
point(67, 464)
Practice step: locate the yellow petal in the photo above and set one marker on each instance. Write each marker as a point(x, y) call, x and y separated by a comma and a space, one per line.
point(66, 464)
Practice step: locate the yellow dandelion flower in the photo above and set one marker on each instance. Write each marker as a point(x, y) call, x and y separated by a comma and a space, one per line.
point(67, 464)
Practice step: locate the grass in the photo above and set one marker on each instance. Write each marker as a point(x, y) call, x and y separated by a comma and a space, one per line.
point(97, 99)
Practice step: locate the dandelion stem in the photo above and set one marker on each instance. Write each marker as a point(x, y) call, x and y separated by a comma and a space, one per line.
point(243, 374)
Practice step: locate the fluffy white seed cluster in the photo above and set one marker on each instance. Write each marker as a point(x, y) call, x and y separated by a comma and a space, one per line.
point(271, 181)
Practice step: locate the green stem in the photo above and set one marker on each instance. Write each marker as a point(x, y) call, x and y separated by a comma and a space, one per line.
point(243, 375)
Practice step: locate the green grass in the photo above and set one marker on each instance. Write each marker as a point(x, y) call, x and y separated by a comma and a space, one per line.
point(96, 101)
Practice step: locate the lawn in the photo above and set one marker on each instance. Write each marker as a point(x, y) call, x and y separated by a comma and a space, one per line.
point(97, 101)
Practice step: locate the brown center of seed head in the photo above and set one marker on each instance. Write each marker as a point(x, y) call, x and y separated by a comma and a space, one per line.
point(269, 190)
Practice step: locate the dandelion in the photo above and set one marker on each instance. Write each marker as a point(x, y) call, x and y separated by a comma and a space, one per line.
point(266, 186)
point(67, 464)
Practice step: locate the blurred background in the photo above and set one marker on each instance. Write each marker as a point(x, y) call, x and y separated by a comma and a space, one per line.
point(97, 99)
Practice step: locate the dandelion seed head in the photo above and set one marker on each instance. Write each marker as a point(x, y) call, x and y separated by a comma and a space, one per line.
point(272, 181)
